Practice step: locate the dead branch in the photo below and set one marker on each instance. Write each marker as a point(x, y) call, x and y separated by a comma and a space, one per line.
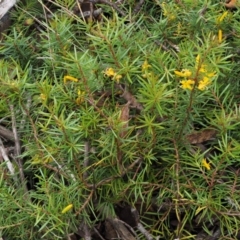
point(128, 96)
point(4, 132)
point(111, 4)
point(7, 161)
point(140, 227)
point(17, 151)
point(138, 7)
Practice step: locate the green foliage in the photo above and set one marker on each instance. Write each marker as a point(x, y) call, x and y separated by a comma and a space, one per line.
point(112, 112)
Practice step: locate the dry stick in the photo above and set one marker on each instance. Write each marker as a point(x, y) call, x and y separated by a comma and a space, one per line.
point(35, 134)
point(86, 159)
point(113, 5)
point(143, 230)
point(5, 6)
point(177, 169)
point(91, 11)
point(23, 121)
point(138, 7)
point(127, 226)
point(140, 227)
point(4, 132)
point(119, 2)
point(85, 203)
point(84, 14)
point(86, 230)
point(17, 159)
point(15, 133)
point(8, 162)
point(97, 232)
point(95, 13)
point(177, 166)
point(80, 9)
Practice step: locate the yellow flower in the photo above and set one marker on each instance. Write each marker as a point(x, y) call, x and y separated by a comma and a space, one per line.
point(179, 27)
point(206, 164)
point(203, 83)
point(80, 98)
point(39, 160)
point(69, 78)
point(36, 159)
point(43, 97)
point(145, 65)
point(205, 75)
point(203, 68)
point(187, 84)
point(220, 36)
point(117, 77)
point(211, 74)
point(67, 208)
point(197, 60)
point(183, 73)
point(109, 72)
point(148, 75)
point(29, 21)
point(167, 12)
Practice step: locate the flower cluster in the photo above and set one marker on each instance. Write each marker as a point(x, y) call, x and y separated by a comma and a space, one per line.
point(81, 97)
point(43, 97)
point(81, 94)
point(203, 72)
point(109, 72)
point(219, 20)
point(167, 11)
point(145, 67)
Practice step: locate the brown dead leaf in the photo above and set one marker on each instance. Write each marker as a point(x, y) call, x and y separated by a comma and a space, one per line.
point(232, 4)
point(4, 132)
point(116, 229)
point(124, 117)
point(128, 96)
point(202, 136)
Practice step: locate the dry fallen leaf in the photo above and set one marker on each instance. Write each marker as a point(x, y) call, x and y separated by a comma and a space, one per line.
point(5, 133)
point(231, 4)
point(128, 96)
point(116, 229)
point(124, 117)
point(202, 136)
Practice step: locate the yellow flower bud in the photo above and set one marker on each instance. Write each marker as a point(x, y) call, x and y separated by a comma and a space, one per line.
point(67, 208)
point(69, 78)
point(206, 164)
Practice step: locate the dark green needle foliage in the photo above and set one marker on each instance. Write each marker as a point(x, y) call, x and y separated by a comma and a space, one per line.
point(133, 110)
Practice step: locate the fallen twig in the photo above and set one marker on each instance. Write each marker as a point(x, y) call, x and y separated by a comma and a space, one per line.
point(17, 151)
point(113, 5)
point(140, 227)
point(7, 160)
point(4, 132)
point(86, 159)
point(138, 7)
